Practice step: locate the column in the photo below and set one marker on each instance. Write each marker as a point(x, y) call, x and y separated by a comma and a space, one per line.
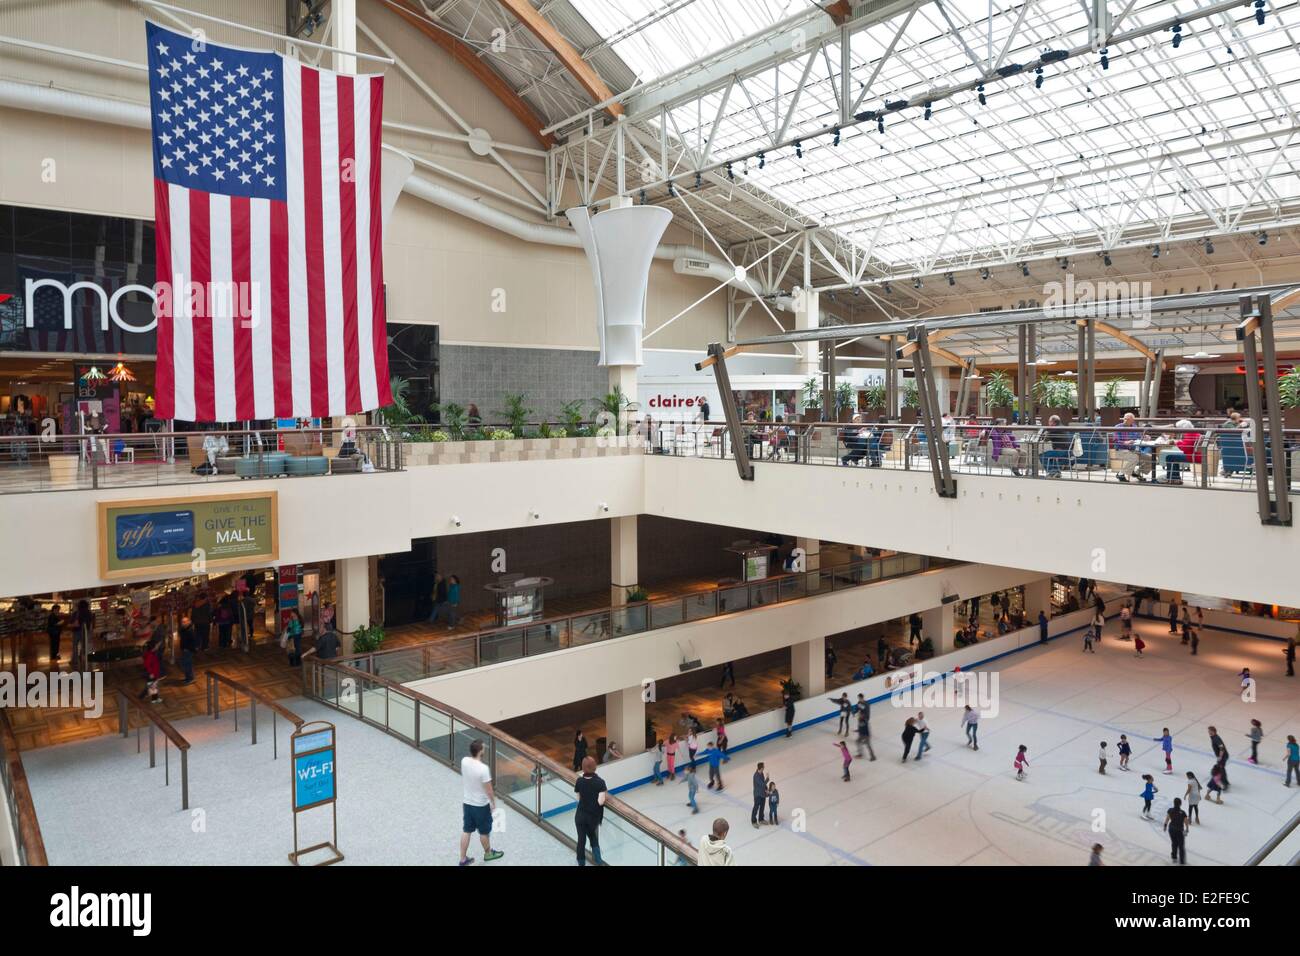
point(622, 559)
point(625, 719)
point(1038, 597)
point(807, 315)
point(939, 624)
point(808, 666)
point(352, 591)
point(811, 548)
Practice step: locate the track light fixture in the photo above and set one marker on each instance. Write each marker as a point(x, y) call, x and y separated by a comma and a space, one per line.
point(1155, 251)
point(916, 283)
point(730, 174)
point(888, 289)
point(835, 141)
point(1262, 237)
point(798, 149)
point(1178, 34)
point(949, 277)
point(1209, 246)
point(983, 99)
point(1065, 262)
point(1105, 59)
point(1105, 258)
point(984, 273)
point(928, 111)
point(1024, 269)
point(880, 123)
point(1038, 78)
point(699, 180)
point(672, 190)
point(1259, 12)
point(643, 197)
point(762, 160)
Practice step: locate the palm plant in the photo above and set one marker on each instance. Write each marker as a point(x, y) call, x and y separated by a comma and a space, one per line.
point(874, 395)
point(911, 395)
point(844, 395)
point(1288, 389)
point(1110, 397)
point(398, 412)
point(454, 420)
point(515, 413)
point(812, 394)
point(571, 414)
point(610, 407)
point(998, 390)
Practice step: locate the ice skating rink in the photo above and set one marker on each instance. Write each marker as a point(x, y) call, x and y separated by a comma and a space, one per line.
point(961, 807)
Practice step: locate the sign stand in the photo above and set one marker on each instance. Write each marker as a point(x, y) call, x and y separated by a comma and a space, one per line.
point(314, 769)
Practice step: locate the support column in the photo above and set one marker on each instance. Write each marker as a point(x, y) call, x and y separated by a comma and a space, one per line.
point(623, 570)
point(812, 548)
point(808, 666)
point(1038, 597)
point(939, 624)
point(807, 315)
point(625, 719)
point(352, 589)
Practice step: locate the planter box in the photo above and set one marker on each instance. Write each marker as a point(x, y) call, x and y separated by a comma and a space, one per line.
point(908, 416)
point(63, 469)
point(1291, 417)
point(1110, 417)
point(519, 449)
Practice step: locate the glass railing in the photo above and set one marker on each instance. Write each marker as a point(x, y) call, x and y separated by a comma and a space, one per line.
point(54, 462)
point(25, 836)
point(448, 655)
point(532, 784)
point(1148, 452)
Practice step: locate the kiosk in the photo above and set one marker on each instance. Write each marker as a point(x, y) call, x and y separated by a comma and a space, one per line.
point(518, 599)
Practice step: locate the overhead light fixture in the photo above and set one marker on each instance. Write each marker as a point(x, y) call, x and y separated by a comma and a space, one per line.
point(888, 289)
point(1038, 78)
point(1178, 34)
point(1065, 262)
point(1262, 237)
point(1105, 59)
point(880, 122)
point(949, 277)
point(1024, 269)
point(1201, 354)
point(1105, 258)
point(1259, 12)
point(798, 149)
point(92, 374)
point(835, 140)
point(699, 180)
point(928, 111)
point(983, 99)
point(1155, 251)
point(643, 197)
point(916, 283)
point(984, 273)
point(762, 159)
point(730, 174)
point(1209, 246)
point(120, 373)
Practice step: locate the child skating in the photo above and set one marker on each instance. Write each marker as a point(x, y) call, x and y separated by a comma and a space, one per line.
point(847, 757)
point(1125, 751)
point(1148, 794)
point(1022, 761)
point(1166, 742)
point(773, 800)
point(1101, 758)
point(1139, 645)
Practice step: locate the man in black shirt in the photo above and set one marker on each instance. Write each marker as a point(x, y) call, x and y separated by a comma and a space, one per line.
point(591, 791)
point(189, 644)
point(54, 628)
point(760, 798)
point(1176, 824)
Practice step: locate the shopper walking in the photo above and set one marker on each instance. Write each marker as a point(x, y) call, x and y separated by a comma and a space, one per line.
point(591, 791)
point(846, 711)
point(728, 674)
point(1290, 657)
point(1022, 761)
point(1173, 617)
point(760, 797)
point(846, 757)
point(1042, 627)
point(1166, 742)
point(1126, 622)
point(831, 658)
point(83, 625)
point(1094, 858)
point(189, 642)
point(580, 749)
point(1193, 796)
point(225, 616)
point(914, 628)
point(292, 638)
point(1148, 794)
point(54, 630)
point(713, 756)
point(1196, 639)
point(1177, 825)
point(713, 847)
point(864, 726)
point(1125, 752)
point(439, 596)
point(1255, 734)
point(971, 721)
point(1292, 760)
point(477, 804)
point(909, 734)
point(449, 610)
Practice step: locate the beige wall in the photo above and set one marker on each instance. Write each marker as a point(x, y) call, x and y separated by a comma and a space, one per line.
point(440, 268)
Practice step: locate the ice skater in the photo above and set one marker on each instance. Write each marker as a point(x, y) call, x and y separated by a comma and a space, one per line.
point(713, 757)
point(1214, 789)
point(923, 729)
point(1176, 825)
point(1255, 734)
point(1148, 794)
point(848, 758)
point(864, 727)
point(1125, 751)
point(909, 734)
point(1166, 742)
point(1087, 640)
point(845, 710)
point(1101, 758)
point(670, 754)
point(1193, 796)
point(1022, 761)
point(971, 721)
point(773, 801)
point(692, 786)
point(1292, 760)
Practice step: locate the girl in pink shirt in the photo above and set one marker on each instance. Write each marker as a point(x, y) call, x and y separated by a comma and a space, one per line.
point(1021, 762)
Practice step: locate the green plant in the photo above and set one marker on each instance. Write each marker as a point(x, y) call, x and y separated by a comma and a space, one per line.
point(844, 395)
point(998, 390)
point(1054, 392)
point(609, 410)
point(637, 594)
point(1288, 389)
point(792, 687)
point(398, 412)
point(498, 434)
point(439, 435)
point(911, 395)
point(367, 638)
point(1110, 397)
point(812, 394)
point(571, 415)
point(874, 395)
point(515, 413)
point(454, 420)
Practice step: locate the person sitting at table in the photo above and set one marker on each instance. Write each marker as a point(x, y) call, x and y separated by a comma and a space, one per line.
point(1123, 448)
point(880, 440)
point(778, 439)
point(855, 442)
point(1057, 438)
point(1005, 449)
point(1185, 452)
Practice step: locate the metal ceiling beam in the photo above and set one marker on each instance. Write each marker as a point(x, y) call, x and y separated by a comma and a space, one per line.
point(582, 71)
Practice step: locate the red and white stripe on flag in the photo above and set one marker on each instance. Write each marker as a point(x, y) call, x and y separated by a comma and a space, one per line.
point(276, 307)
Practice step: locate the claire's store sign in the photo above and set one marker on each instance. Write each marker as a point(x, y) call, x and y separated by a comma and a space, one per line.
point(672, 402)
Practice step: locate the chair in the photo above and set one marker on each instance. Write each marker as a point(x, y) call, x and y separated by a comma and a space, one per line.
point(1232, 456)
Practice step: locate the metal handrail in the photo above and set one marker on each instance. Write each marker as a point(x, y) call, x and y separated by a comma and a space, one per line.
point(213, 706)
point(565, 623)
point(170, 734)
point(666, 840)
point(1274, 842)
point(28, 841)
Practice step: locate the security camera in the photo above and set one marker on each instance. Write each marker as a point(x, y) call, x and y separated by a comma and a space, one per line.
point(455, 519)
point(537, 515)
point(604, 506)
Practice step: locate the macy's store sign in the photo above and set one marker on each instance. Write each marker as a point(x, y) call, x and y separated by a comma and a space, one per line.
point(109, 306)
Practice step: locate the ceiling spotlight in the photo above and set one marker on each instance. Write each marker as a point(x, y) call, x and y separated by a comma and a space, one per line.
point(916, 283)
point(798, 149)
point(1038, 78)
point(983, 99)
point(1178, 34)
point(1262, 237)
point(1259, 12)
point(762, 159)
point(1024, 269)
point(1209, 247)
point(643, 197)
point(984, 273)
point(1105, 59)
point(951, 280)
point(730, 175)
point(880, 123)
point(1155, 252)
point(888, 289)
point(835, 141)
point(928, 111)
point(699, 180)
point(1065, 262)
point(1105, 258)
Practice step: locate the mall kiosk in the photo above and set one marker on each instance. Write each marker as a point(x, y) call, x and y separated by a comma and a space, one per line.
point(755, 559)
point(518, 599)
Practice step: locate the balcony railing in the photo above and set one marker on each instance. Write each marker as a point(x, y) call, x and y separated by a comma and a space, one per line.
point(29, 847)
point(449, 655)
point(54, 462)
point(1156, 453)
point(529, 781)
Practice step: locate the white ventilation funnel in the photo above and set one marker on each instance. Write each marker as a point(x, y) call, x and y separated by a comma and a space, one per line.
point(394, 170)
point(620, 245)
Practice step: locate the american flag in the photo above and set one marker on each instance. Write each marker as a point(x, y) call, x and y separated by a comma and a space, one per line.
point(266, 196)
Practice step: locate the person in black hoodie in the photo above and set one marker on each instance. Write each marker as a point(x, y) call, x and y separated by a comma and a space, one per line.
point(909, 734)
point(756, 818)
point(189, 644)
point(846, 710)
point(579, 750)
point(788, 700)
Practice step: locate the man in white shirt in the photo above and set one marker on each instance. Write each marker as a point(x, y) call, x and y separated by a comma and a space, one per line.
point(478, 806)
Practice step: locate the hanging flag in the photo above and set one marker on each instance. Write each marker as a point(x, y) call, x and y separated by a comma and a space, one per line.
point(269, 236)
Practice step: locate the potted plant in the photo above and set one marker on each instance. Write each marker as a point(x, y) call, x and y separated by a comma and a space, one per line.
point(873, 397)
point(812, 400)
point(571, 415)
point(1111, 411)
point(609, 412)
point(844, 404)
point(367, 639)
point(999, 396)
point(515, 413)
point(911, 402)
point(1288, 389)
point(637, 594)
point(651, 738)
point(791, 686)
point(398, 412)
point(1055, 396)
point(454, 420)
